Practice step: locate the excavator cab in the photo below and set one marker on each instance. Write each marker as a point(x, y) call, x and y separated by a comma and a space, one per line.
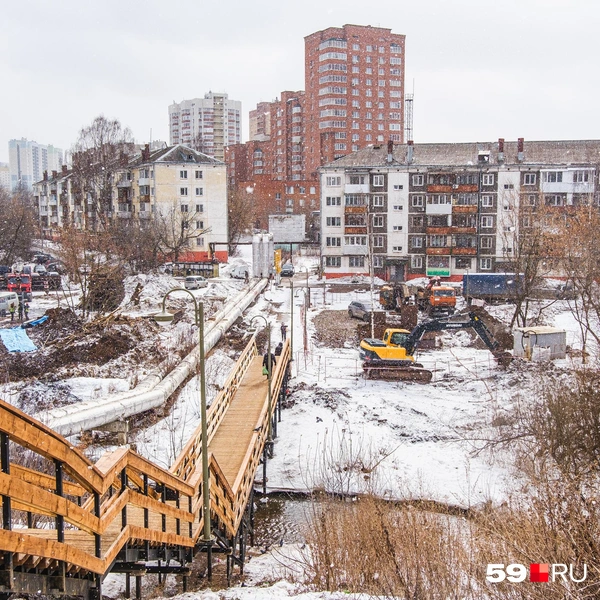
point(395, 337)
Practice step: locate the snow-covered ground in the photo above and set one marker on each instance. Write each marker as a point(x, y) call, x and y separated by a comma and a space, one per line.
point(396, 439)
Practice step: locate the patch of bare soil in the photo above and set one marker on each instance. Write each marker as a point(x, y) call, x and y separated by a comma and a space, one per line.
point(335, 329)
point(501, 331)
point(64, 342)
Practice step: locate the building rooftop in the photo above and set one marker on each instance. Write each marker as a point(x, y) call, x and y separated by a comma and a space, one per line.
point(561, 152)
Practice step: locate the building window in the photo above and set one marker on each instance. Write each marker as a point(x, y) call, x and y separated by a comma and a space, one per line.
point(487, 222)
point(199, 224)
point(378, 241)
point(416, 262)
point(333, 181)
point(334, 222)
point(333, 241)
point(333, 201)
point(398, 207)
point(199, 191)
point(357, 179)
point(184, 208)
point(438, 241)
point(355, 240)
point(378, 221)
point(486, 242)
point(531, 200)
point(356, 261)
point(417, 242)
point(487, 201)
point(554, 200)
point(581, 176)
point(462, 263)
point(200, 241)
point(397, 228)
point(183, 174)
point(378, 261)
point(396, 248)
point(553, 176)
point(333, 261)
point(529, 179)
point(183, 191)
point(509, 186)
point(199, 208)
point(418, 201)
point(487, 179)
point(418, 180)
point(378, 200)
point(485, 264)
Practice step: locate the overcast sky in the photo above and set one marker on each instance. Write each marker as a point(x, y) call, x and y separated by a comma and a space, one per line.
point(482, 69)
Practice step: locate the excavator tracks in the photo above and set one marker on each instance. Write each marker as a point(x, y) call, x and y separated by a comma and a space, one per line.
point(415, 374)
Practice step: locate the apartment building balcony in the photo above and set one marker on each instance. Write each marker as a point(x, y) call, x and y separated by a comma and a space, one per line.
point(451, 189)
point(124, 183)
point(145, 198)
point(362, 209)
point(458, 251)
point(53, 188)
point(357, 188)
point(354, 250)
point(144, 214)
point(443, 251)
point(52, 200)
point(144, 181)
point(124, 214)
point(464, 208)
point(354, 230)
point(440, 230)
point(458, 229)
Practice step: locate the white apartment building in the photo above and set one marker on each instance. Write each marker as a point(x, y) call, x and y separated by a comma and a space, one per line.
point(206, 124)
point(28, 160)
point(4, 176)
point(176, 184)
point(446, 209)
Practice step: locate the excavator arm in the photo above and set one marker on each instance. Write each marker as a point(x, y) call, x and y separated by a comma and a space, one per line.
point(474, 322)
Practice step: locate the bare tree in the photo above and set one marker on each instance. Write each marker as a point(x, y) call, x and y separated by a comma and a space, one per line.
point(177, 231)
point(99, 150)
point(527, 235)
point(17, 226)
point(199, 144)
point(581, 264)
point(136, 244)
point(241, 216)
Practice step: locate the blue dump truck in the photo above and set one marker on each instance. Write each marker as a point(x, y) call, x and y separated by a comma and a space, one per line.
point(492, 287)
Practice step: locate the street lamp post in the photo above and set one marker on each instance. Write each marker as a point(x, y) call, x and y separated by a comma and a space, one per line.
point(164, 318)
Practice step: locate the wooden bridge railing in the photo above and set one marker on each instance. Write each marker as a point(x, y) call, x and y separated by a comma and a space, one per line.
point(63, 509)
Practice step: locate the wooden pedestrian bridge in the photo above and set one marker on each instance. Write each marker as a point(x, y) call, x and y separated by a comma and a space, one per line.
point(67, 522)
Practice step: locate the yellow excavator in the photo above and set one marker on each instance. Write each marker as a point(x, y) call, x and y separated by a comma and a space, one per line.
point(392, 357)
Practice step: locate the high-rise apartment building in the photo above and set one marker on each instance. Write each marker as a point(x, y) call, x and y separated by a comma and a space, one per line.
point(354, 91)
point(206, 124)
point(28, 160)
point(260, 121)
point(4, 176)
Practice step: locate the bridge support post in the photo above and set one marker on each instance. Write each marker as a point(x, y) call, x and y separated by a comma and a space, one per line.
point(138, 587)
point(6, 510)
point(127, 585)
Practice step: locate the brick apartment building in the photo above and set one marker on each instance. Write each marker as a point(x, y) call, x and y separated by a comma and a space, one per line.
point(445, 209)
point(354, 78)
point(354, 98)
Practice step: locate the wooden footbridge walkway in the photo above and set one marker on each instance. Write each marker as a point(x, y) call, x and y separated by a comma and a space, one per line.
point(66, 522)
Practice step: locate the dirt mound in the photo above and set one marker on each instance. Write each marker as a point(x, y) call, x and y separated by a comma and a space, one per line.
point(500, 330)
point(64, 342)
point(335, 329)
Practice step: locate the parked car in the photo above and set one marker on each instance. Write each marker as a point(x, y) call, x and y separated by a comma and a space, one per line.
point(195, 282)
point(287, 270)
point(360, 310)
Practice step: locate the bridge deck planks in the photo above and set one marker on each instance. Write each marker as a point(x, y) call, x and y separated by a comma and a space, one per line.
point(233, 437)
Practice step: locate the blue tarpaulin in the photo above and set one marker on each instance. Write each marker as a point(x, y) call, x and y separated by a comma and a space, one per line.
point(35, 322)
point(17, 340)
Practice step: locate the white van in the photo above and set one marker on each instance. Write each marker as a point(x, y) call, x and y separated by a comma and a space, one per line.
point(6, 299)
point(195, 282)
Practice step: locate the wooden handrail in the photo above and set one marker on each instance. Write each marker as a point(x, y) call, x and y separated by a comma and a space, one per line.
point(122, 480)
